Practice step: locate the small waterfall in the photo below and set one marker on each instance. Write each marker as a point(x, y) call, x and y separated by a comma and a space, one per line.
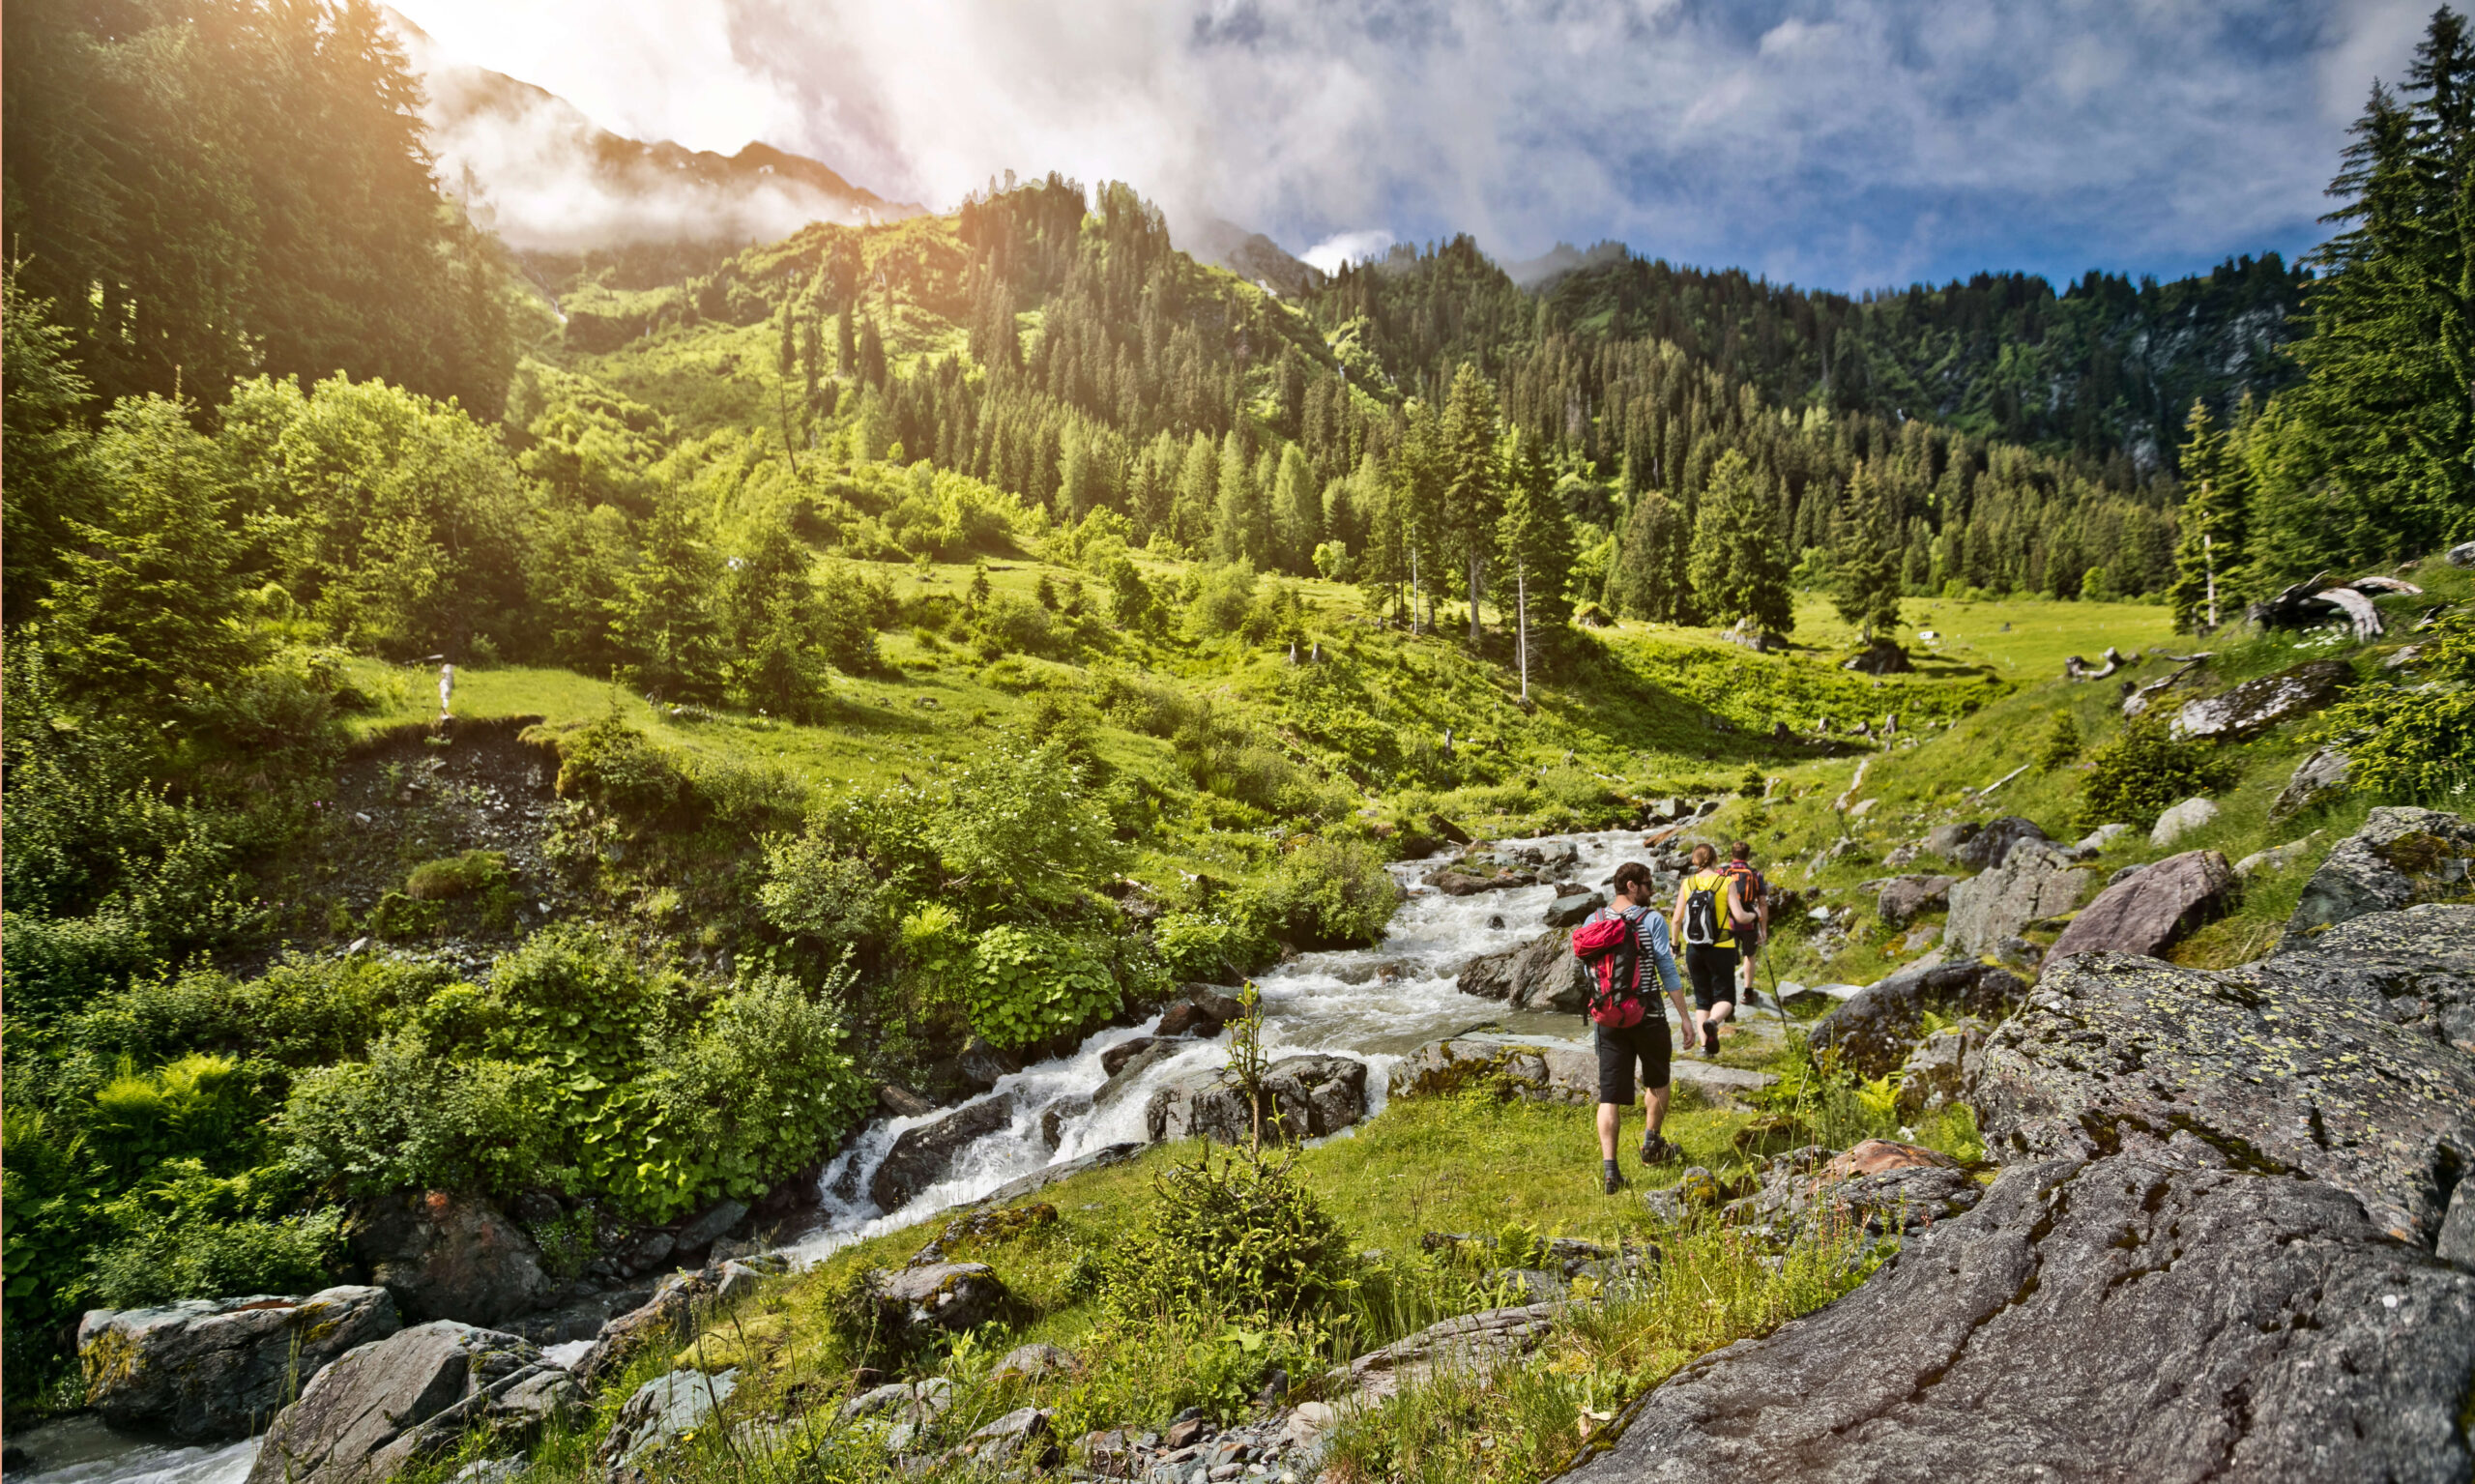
point(1375, 1004)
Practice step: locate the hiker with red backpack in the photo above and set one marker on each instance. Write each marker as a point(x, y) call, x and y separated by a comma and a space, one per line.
point(1614, 945)
point(1707, 911)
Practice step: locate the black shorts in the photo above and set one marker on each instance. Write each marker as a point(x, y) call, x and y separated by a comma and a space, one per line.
point(1620, 1050)
point(1713, 973)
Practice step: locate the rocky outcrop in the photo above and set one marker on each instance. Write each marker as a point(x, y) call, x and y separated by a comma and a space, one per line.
point(2035, 881)
point(2212, 1258)
point(655, 1416)
point(1541, 974)
point(446, 1256)
point(954, 1296)
point(209, 1368)
point(1198, 1010)
point(1049, 1175)
point(1991, 846)
point(1306, 1098)
point(2245, 710)
point(921, 1156)
point(385, 1408)
point(1476, 1343)
point(1903, 897)
point(1570, 909)
point(1875, 1027)
point(2148, 912)
point(2316, 779)
point(2399, 858)
point(1934, 1075)
point(666, 1319)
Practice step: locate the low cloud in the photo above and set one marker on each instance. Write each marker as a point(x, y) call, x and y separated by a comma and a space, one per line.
point(1841, 143)
point(1342, 247)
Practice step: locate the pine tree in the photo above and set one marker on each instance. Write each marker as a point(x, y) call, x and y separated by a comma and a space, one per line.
point(666, 621)
point(2385, 414)
point(1297, 513)
point(1473, 493)
point(2212, 531)
point(1198, 493)
point(1739, 565)
point(1239, 533)
point(1535, 540)
point(1647, 579)
point(1869, 586)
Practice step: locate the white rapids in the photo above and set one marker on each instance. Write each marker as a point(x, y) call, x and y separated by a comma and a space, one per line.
point(1375, 1004)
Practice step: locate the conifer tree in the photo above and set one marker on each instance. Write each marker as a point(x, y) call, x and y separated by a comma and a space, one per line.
point(1473, 493)
point(1239, 533)
point(1869, 586)
point(1297, 513)
point(2211, 544)
point(666, 621)
point(1739, 565)
point(1647, 579)
point(1198, 493)
point(1536, 542)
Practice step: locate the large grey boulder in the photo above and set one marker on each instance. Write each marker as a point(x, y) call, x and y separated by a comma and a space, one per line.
point(954, 1296)
point(2316, 779)
point(2247, 710)
point(1569, 911)
point(449, 1255)
point(221, 1367)
point(2181, 820)
point(2034, 880)
point(1473, 1344)
point(1874, 1028)
point(2148, 912)
point(921, 1154)
point(2210, 1258)
point(385, 1408)
point(1306, 1098)
point(2399, 858)
point(1541, 974)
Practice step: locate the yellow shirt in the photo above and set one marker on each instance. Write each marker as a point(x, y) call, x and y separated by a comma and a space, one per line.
point(1714, 882)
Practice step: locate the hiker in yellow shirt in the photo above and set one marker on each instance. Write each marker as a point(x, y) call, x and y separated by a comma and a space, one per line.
point(1706, 906)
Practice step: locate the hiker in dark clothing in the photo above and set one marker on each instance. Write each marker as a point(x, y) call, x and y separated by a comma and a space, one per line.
point(1752, 927)
point(1644, 1046)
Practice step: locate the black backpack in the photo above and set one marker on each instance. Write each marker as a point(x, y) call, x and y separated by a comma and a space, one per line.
point(1702, 916)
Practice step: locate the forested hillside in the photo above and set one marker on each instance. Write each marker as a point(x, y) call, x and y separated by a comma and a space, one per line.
point(896, 641)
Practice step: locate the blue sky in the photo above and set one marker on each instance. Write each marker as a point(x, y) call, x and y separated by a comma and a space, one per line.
point(1834, 143)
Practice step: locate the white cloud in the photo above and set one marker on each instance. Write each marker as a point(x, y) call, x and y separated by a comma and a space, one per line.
point(1343, 247)
point(1839, 142)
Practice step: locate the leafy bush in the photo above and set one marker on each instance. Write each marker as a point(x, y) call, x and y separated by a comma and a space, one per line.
point(1235, 1237)
point(1327, 894)
point(609, 763)
point(762, 1087)
point(1016, 626)
point(410, 1118)
point(2145, 771)
point(814, 890)
point(1030, 985)
point(186, 1235)
point(1222, 602)
point(454, 876)
point(1023, 828)
point(1206, 946)
point(195, 1105)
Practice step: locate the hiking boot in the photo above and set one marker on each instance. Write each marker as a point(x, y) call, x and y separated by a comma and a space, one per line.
point(1611, 1178)
point(1656, 1150)
point(1710, 1039)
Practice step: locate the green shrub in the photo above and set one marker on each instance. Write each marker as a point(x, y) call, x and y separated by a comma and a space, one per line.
point(1023, 828)
point(1223, 600)
point(2062, 742)
point(476, 871)
point(1206, 946)
point(408, 1118)
point(2145, 771)
point(2415, 744)
point(753, 1093)
point(195, 1105)
point(609, 763)
point(1233, 1237)
point(1016, 626)
point(187, 1235)
point(1029, 985)
point(814, 890)
point(1327, 894)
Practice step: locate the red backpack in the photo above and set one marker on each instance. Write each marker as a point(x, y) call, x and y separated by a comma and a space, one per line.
point(1612, 955)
